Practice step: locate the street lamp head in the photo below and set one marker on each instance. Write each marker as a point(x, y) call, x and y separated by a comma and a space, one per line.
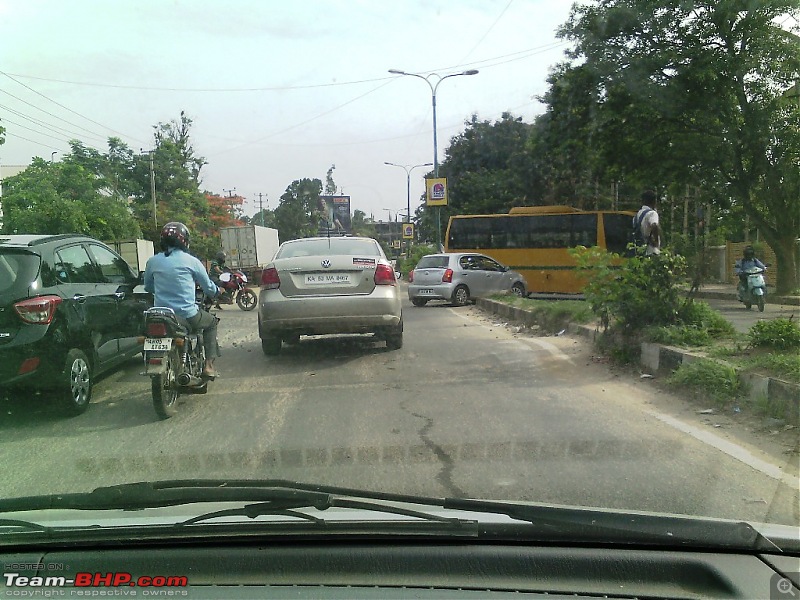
point(397, 72)
point(470, 72)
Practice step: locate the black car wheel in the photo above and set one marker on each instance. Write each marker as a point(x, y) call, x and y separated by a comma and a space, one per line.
point(518, 289)
point(75, 387)
point(419, 301)
point(460, 296)
point(394, 339)
point(271, 346)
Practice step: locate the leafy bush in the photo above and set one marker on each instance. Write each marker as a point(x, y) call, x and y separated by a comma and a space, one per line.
point(404, 265)
point(781, 334)
point(634, 292)
point(708, 377)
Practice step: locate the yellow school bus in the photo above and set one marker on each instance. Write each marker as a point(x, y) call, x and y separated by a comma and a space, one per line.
point(535, 240)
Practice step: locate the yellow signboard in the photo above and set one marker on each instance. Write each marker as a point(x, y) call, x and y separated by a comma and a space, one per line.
point(408, 231)
point(437, 191)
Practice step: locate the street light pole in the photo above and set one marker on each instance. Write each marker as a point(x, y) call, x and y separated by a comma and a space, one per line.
point(434, 87)
point(408, 169)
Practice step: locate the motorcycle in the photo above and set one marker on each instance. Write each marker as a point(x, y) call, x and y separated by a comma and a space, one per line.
point(234, 289)
point(174, 358)
point(753, 288)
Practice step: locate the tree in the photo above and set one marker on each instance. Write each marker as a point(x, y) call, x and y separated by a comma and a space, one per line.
point(297, 214)
point(706, 79)
point(64, 197)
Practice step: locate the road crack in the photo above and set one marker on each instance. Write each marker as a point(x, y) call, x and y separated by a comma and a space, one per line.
point(445, 475)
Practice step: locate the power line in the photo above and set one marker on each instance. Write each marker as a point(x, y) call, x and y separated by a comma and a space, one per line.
point(68, 109)
point(521, 54)
point(48, 113)
point(40, 123)
point(483, 37)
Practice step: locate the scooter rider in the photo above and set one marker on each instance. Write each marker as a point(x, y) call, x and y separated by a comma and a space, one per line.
point(748, 261)
point(171, 276)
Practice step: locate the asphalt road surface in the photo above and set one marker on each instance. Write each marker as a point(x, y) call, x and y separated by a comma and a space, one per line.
point(467, 407)
point(743, 319)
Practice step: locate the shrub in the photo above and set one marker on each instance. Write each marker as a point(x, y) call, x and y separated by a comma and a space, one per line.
point(679, 335)
point(781, 334)
point(634, 292)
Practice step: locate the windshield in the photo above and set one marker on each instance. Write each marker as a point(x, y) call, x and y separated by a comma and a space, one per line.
point(606, 164)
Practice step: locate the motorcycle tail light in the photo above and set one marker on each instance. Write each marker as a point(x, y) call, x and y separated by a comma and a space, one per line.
point(157, 329)
point(270, 279)
point(384, 275)
point(39, 310)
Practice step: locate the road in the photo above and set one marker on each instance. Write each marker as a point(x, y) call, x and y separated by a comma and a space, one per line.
point(466, 408)
point(743, 319)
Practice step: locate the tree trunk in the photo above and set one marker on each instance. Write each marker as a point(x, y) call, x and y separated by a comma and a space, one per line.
point(786, 254)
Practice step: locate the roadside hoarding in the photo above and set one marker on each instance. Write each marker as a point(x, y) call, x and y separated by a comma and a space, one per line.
point(335, 214)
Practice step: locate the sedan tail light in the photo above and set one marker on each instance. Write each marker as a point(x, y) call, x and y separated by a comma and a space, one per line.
point(411, 276)
point(270, 279)
point(39, 310)
point(384, 275)
point(447, 277)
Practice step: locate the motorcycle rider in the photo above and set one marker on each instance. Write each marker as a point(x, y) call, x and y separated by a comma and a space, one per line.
point(748, 261)
point(171, 276)
point(218, 267)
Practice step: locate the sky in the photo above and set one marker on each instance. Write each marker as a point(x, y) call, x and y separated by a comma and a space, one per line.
point(277, 90)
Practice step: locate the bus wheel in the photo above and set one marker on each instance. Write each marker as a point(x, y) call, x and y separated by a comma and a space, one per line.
point(460, 296)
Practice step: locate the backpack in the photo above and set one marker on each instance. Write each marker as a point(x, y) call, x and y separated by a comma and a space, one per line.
point(636, 234)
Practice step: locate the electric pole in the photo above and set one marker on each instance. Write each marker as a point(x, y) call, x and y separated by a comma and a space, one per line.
point(261, 207)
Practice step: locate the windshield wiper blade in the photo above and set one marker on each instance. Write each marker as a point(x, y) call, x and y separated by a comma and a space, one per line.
point(253, 511)
point(133, 496)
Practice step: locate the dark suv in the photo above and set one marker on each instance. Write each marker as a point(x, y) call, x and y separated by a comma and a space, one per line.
point(67, 313)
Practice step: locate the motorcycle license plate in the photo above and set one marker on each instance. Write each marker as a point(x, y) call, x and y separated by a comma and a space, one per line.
point(157, 344)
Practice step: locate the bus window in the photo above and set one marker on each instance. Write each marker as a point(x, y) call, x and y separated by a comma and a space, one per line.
point(584, 230)
point(617, 229)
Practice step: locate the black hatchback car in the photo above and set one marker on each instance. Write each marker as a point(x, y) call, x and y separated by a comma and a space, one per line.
point(67, 313)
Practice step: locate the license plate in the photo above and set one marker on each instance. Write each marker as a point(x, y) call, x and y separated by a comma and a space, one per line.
point(425, 292)
point(157, 344)
point(327, 278)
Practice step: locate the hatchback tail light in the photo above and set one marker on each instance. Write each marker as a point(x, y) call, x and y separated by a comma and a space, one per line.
point(384, 275)
point(39, 310)
point(411, 276)
point(270, 279)
point(447, 277)
point(157, 329)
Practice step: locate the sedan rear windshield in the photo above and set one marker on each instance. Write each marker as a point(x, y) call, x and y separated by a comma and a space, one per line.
point(17, 271)
point(329, 247)
point(433, 262)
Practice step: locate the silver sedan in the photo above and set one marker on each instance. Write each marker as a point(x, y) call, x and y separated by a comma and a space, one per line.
point(458, 277)
point(320, 286)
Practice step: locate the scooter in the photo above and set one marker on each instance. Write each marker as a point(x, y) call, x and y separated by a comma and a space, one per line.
point(234, 289)
point(174, 358)
point(753, 289)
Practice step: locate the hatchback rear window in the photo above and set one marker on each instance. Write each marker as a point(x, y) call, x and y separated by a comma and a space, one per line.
point(433, 262)
point(17, 271)
point(329, 247)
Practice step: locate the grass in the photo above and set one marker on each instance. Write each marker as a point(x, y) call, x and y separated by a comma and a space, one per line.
point(708, 378)
point(782, 365)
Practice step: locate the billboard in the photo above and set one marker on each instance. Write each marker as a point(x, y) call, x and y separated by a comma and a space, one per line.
point(437, 191)
point(334, 214)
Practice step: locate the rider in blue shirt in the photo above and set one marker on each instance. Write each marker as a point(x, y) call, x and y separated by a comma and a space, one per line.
point(171, 276)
